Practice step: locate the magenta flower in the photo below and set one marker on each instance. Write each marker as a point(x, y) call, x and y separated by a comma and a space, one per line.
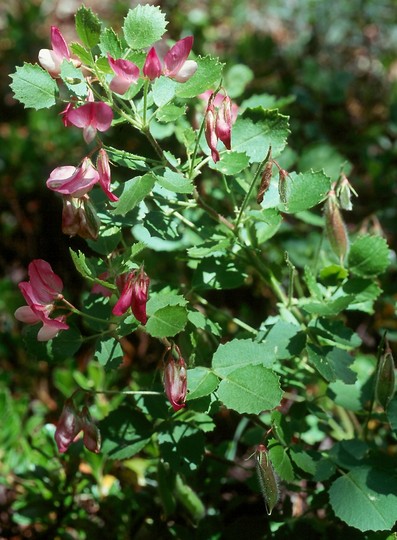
point(176, 64)
point(71, 423)
point(51, 59)
point(69, 426)
point(74, 181)
point(91, 117)
point(40, 292)
point(218, 124)
point(175, 378)
point(104, 174)
point(223, 124)
point(134, 287)
point(126, 73)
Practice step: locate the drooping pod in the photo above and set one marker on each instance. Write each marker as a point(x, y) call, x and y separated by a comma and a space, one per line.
point(385, 378)
point(335, 227)
point(267, 478)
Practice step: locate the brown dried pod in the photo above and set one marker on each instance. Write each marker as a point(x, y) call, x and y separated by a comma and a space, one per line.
point(265, 181)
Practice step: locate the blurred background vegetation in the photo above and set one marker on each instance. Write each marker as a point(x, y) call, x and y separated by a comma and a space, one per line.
point(336, 63)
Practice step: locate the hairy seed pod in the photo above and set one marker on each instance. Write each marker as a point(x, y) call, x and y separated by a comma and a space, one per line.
point(335, 228)
point(267, 479)
point(265, 181)
point(385, 379)
point(282, 185)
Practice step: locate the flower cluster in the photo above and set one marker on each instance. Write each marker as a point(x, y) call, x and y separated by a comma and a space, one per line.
point(41, 292)
point(176, 65)
point(219, 118)
point(71, 423)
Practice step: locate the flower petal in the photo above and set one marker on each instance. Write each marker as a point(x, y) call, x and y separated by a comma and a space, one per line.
point(177, 55)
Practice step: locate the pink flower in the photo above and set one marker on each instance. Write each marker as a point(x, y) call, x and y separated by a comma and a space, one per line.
point(176, 65)
point(71, 422)
point(104, 174)
point(41, 292)
point(218, 124)
point(91, 116)
point(134, 287)
point(217, 101)
point(175, 378)
point(51, 59)
point(69, 426)
point(74, 181)
point(126, 73)
point(223, 124)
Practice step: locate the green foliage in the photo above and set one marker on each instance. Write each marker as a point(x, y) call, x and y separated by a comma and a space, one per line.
point(277, 336)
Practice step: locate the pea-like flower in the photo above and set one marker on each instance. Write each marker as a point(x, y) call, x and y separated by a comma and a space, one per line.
point(74, 181)
point(41, 292)
point(176, 65)
point(126, 73)
point(104, 174)
point(91, 117)
point(219, 118)
point(51, 59)
point(175, 378)
point(71, 423)
point(134, 287)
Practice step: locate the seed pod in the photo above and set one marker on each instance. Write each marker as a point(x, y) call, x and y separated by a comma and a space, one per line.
point(282, 185)
point(267, 479)
point(385, 378)
point(265, 181)
point(335, 227)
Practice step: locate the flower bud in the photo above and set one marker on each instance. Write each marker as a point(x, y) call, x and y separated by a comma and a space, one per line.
point(223, 126)
point(69, 426)
point(134, 288)
point(79, 218)
point(267, 479)
point(175, 378)
point(385, 378)
point(92, 435)
point(335, 227)
point(210, 132)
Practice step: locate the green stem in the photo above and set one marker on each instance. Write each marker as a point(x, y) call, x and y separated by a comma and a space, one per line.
point(193, 159)
point(73, 309)
point(145, 91)
point(235, 320)
point(248, 194)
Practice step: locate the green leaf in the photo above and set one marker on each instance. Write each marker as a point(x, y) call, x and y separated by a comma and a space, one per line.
point(236, 79)
point(109, 353)
point(170, 113)
point(257, 129)
point(214, 244)
point(81, 264)
point(250, 389)
point(74, 79)
point(329, 308)
point(181, 445)
point(135, 190)
point(303, 460)
point(34, 87)
point(163, 89)
point(305, 190)
point(110, 43)
point(219, 273)
point(167, 321)
point(162, 299)
point(366, 499)
point(82, 53)
point(143, 26)
point(209, 72)
point(201, 382)
point(239, 353)
point(392, 413)
point(333, 275)
point(126, 159)
point(335, 332)
point(88, 27)
point(332, 363)
point(231, 162)
point(109, 238)
point(365, 292)
point(368, 256)
point(175, 182)
point(125, 432)
point(280, 461)
point(266, 222)
point(283, 340)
